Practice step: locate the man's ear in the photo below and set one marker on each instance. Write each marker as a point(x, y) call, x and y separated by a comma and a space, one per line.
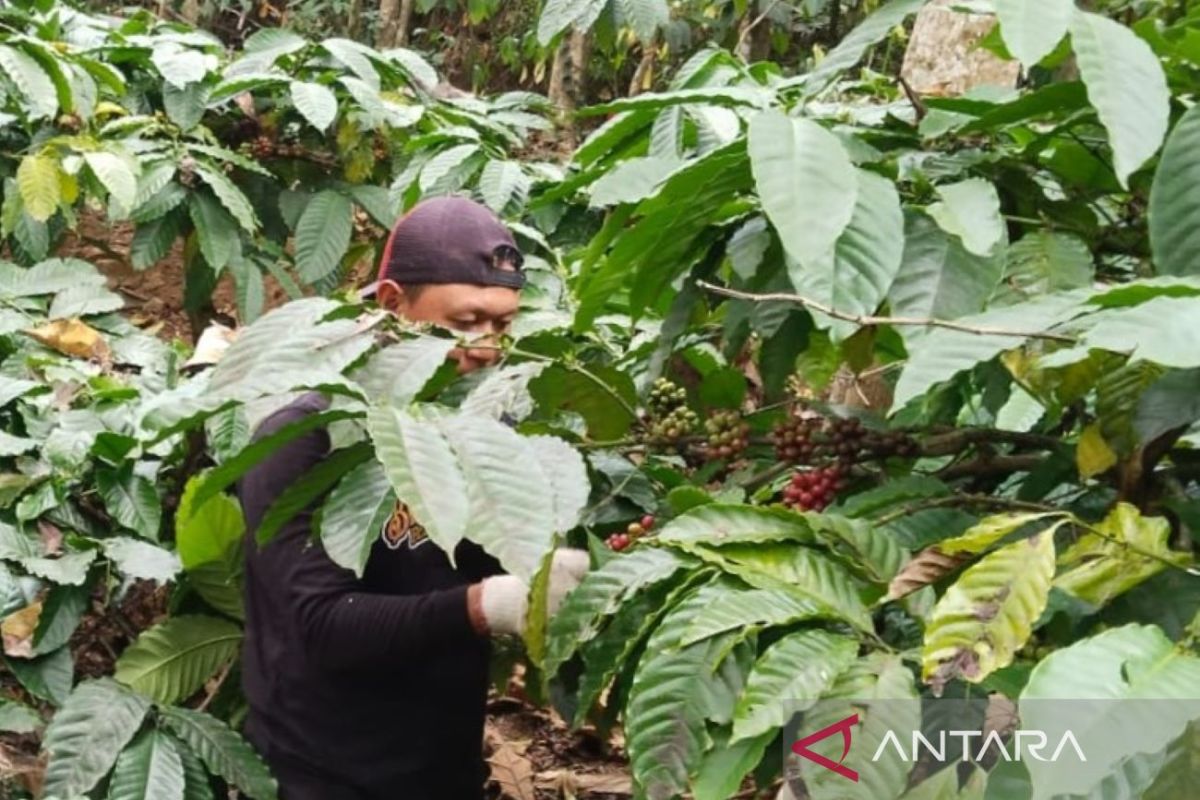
point(390, 296)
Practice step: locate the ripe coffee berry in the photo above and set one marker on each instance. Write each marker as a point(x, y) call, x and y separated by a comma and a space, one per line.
point(618, 541)
point(814, 490)
point(633, 531)
point(262, 147)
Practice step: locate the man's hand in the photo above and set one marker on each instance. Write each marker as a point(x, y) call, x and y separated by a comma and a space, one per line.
point(566, 571)
point(499, 605)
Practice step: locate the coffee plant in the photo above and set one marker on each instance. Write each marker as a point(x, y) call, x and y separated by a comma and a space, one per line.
point(89, 490)
point(1019, 496)
point(318, 143)
point(874, 398)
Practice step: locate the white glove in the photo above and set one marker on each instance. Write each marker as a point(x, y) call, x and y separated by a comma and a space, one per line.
point(504, 599)
point(566, 571)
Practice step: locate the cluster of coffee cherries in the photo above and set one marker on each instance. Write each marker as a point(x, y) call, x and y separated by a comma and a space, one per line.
point(261, 146)
point(803, 439)
point(846, 437)
point(665, 397)
point(673, 426)
point(264, 146)
point(895, 443)
point(670, 419)
point(70, 122)
point(814, 489)
point(635, 530)
point(1033, 650)
point(379, 148)
point(728, 435)
point(187, 171)
point(795, 441)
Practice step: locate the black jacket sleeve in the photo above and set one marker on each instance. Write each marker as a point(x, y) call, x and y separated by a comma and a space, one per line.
point(340, 625)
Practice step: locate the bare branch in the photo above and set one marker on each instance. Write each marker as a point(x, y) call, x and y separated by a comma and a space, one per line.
point(941, 443)
point(865, 320)
point(992, 465)
point(215, 686)
point(757, 21)
point(962, 499)
point(914, 99)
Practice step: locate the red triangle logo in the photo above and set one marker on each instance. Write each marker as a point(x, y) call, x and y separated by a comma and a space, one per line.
point(800, 748)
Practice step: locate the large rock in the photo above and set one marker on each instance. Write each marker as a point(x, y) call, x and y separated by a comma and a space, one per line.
point(943, 57)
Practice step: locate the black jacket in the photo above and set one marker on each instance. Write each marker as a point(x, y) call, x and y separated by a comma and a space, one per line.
point(376, 683)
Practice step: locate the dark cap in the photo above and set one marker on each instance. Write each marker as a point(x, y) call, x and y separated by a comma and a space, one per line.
point(450, 240)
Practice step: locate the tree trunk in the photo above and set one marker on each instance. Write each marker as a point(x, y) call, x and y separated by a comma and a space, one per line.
point(353, 19)
point(558, 92)
point(402, 25)
point(389, 18)
point(579, 48)
point(754, 32)
point(568, 69)
point(643, 76)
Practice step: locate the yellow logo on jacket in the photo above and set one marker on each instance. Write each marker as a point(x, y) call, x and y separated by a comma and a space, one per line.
point(401, 528)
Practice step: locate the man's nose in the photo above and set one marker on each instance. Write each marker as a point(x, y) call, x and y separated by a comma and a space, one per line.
point(485, 356)
point(484, 350)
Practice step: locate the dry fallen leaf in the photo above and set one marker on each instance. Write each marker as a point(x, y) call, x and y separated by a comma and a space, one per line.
point(245, 101)
point(609, 783)
point(513, 773)
point(569, 784)
point(926, 567)
point(72, 337)
point(1001, 716)
point(18, 766)
point(52, 537)
point(65, 394)
point(17, 630)
point(213, 343)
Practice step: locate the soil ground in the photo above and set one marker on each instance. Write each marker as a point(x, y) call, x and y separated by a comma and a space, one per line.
point(154, 297)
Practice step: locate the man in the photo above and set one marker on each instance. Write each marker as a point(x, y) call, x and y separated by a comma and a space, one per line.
point(374, 689)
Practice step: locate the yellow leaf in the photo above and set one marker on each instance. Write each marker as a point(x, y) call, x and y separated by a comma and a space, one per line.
point(37, 181)
point(68, 188)
point(1018, 363)
point(17, 630)
point(1093, 455)
point(987, 615)
point(347, 134)
point(105, 107)
point(72, 337)
point(1125, 550)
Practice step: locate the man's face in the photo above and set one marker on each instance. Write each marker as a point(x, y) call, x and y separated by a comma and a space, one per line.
point(483, 313)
